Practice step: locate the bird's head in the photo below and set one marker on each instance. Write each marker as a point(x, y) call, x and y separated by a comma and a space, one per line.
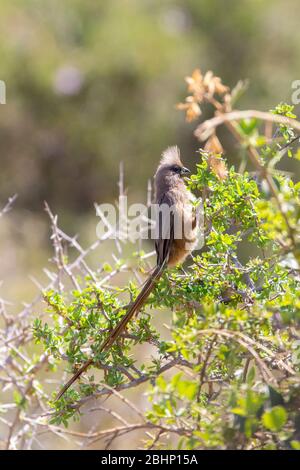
point(171, 168)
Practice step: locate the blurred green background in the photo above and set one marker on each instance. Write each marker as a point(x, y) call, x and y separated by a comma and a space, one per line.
point(90, 83)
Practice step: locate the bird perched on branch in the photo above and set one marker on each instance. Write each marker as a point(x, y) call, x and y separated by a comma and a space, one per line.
point(176, 237)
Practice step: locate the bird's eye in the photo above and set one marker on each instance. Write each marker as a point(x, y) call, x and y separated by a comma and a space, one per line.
point(176, 169)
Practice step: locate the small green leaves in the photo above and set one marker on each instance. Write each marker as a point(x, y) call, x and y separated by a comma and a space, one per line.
point(285, 109)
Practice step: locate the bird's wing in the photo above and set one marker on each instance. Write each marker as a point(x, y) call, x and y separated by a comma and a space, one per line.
point(164, 230)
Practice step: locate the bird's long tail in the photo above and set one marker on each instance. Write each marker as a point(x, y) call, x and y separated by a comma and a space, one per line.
point(116, 332)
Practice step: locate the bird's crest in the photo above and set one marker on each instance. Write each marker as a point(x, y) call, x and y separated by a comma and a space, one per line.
point(171, 156)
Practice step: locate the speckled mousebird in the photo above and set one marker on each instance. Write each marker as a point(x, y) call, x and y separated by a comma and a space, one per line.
point(170, 191)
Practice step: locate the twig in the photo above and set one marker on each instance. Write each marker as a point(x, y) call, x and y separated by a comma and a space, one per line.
point(8, 205)
point(207, 128)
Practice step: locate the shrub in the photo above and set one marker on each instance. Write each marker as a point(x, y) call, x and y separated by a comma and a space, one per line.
point(226, 374)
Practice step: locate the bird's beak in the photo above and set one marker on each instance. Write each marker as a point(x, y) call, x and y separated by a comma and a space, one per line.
point(185, 171)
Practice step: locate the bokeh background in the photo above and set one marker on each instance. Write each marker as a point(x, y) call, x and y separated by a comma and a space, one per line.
point(91, 83)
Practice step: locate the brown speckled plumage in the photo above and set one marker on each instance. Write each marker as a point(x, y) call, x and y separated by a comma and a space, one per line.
point(171, 190)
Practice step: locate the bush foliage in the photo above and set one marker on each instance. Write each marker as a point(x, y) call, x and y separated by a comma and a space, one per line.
point(226, 374)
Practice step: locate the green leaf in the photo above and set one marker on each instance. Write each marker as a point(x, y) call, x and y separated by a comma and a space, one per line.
point(251, 376)
point(19, 400)
point(187, 389)
point(248, 125)
point(275, 418)
point(295, 445)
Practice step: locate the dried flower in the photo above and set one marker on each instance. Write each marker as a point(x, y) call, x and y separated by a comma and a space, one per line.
point(208, 84)
point(201, 88)
point(213, 145)
point(195, 85)
point(218, 166)
point(191, 107)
